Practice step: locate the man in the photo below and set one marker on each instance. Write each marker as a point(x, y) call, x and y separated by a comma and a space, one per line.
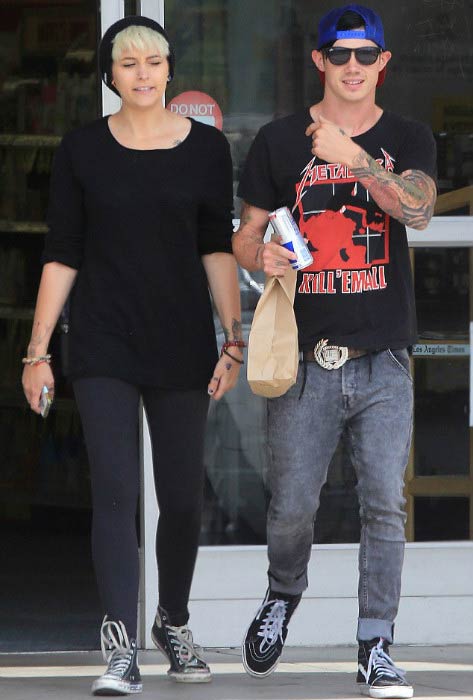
point(354, 176)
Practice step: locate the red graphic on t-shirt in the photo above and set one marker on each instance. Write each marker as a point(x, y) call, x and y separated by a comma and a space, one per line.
point(337, 250)
point(339, 239)
point(345, 229)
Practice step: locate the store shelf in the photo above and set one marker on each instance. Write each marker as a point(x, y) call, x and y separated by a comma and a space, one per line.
point(15, 312)
point(7, 226)
point(29, 140)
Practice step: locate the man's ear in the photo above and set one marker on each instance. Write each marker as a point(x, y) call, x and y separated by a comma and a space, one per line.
point(385, 58)
point(318, 59)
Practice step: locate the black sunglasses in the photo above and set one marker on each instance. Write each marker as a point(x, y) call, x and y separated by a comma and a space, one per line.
point(365, 55)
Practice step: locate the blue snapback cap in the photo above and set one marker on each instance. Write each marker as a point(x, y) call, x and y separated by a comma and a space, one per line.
point(373, 29)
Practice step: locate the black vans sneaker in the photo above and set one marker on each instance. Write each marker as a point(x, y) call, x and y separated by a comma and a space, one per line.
point(122, 676)
point(377, 676)
point(265, 637)
point(187, 665)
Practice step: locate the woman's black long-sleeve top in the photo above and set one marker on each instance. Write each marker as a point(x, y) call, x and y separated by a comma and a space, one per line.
point(135, 223)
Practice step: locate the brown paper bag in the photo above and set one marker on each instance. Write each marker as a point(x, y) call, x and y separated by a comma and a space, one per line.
point(273, 351)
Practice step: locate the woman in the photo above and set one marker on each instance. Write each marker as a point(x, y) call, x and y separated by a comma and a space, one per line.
point(139, 229)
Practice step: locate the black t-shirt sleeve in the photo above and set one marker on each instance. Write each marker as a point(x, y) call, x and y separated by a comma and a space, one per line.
point(257, 186)
point(65, 218)
point(418, 151)
point(215, 211)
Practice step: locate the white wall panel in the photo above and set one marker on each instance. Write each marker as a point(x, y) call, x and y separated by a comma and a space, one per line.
point(230, 582)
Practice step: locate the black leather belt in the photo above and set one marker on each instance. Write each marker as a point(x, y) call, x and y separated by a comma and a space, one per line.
point(331, 356)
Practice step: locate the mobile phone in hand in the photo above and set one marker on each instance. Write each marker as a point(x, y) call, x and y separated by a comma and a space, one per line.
point(45, 401)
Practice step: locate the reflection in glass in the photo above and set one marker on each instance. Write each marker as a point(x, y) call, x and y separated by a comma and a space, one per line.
point(236, 460)
point(441, 518)
point(442, 434)
point(442, 284)
point(254, 60)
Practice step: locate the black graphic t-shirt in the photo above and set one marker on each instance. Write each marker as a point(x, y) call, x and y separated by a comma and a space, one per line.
point(358, 292)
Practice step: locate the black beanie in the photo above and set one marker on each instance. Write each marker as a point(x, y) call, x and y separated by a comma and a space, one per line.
point(106, 45)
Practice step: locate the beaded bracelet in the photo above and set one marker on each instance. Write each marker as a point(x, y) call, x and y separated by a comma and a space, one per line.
point(32, 361)
point(234, 344)
point(225, 352)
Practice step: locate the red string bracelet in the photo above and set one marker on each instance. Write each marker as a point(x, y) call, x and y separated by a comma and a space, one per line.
point(233, 344)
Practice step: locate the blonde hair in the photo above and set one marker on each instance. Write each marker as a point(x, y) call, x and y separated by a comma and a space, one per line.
point(142, 39)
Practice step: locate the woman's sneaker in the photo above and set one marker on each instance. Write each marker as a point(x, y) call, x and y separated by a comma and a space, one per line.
point(377, 676)
point(187, 664)
point(122, 676)
point(265, 637)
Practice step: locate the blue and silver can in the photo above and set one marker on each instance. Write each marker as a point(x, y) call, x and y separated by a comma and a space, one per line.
point(286, 228)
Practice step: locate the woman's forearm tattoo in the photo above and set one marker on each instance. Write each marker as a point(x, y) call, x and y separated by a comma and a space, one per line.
point(235, 333)
point(236, 329)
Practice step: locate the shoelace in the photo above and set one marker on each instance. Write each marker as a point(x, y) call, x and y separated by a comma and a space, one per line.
point(183, 643)
point(272, 625)
point(379, 659)
point(116, 648)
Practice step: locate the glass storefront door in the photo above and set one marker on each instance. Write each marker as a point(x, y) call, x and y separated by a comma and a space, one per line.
point(440, 472)
point(251, 62)
point(254, 61)
point(48, 85)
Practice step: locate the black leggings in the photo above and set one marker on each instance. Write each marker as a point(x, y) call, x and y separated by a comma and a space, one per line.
point(176, 419)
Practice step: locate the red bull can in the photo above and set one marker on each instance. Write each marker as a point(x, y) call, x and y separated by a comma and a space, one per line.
point(286, 228)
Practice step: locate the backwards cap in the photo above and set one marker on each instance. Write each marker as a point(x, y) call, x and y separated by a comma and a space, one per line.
point(373, 30)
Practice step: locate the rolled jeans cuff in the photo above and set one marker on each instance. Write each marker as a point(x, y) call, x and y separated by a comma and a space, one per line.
point(296, 587)
point(369, 628)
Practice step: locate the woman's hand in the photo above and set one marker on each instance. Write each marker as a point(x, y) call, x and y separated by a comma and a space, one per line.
point(34, 378)
point(225, 374)
point(56, 283)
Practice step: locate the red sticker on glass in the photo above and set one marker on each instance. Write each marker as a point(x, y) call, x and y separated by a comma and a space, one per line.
point(197, 105)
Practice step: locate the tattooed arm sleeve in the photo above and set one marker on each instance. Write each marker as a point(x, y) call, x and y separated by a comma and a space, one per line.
point(409, 197)
point(247, 241)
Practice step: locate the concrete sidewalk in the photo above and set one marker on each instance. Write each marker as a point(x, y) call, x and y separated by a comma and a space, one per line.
point(305, 674)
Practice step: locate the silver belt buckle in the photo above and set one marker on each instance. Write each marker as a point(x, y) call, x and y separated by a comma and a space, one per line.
point(330, 356)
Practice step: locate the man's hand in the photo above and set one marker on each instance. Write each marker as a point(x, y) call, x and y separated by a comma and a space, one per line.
point(331, 143)
point(275, 259)
point(249, 248)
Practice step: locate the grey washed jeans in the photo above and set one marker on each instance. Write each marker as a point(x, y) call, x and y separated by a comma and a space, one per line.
point(372, 399)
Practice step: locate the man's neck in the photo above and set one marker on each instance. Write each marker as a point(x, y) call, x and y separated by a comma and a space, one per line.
point(354, 119)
